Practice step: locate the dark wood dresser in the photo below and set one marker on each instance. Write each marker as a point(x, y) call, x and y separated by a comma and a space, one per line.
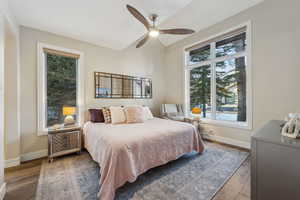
point(275, 164)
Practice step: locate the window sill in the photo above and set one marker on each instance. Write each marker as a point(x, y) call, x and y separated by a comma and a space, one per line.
point(45, 131)
point(239, 125)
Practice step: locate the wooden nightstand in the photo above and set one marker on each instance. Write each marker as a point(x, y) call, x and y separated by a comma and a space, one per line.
point(63, 141)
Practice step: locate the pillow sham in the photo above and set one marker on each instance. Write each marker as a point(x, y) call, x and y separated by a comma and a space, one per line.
point(117, 115)
point(148, 113)
point(134, 114)
point(106, 115)
point(96, 115)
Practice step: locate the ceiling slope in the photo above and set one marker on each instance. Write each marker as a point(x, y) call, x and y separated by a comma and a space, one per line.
point(108, 23)
point(200, 14)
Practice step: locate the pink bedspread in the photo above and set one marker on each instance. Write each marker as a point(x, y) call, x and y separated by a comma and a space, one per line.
point(125, 151)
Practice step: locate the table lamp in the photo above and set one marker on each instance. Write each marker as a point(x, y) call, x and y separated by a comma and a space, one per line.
point(69, 112)
point(196, 111)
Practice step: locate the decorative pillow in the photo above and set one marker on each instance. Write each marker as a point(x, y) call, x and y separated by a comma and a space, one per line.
point(96, 115)
point(134, 114)
point(117, 115)
point(148, 113)
point(106, 115)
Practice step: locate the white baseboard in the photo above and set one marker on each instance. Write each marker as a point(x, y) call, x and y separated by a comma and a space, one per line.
point(26, 157)
point(2, 191)
point(229, 141)
point(44, 153)
point(34, 155)
point(12, 162)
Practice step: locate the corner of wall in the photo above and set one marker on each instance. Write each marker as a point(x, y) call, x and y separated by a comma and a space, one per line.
point(2, 191)
point(12, 91)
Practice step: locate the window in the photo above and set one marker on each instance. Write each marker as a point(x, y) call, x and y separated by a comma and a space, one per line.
point(59, 85)
point(218, 78)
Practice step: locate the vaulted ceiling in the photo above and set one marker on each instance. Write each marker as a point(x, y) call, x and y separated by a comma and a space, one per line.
point(108, 23)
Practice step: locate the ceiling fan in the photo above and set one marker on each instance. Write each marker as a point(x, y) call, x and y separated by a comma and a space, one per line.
point(152, 30)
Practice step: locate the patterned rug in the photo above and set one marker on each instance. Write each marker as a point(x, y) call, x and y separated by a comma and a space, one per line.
point(191, 177)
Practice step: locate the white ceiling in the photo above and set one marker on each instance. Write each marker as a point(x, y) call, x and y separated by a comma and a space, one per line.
point(108, 23)
point(200, 14)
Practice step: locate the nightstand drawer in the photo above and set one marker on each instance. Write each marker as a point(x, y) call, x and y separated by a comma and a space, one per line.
point(65, 141)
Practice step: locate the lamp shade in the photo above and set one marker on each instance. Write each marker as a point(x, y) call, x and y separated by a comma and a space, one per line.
point(69, 110)
point(196, 110)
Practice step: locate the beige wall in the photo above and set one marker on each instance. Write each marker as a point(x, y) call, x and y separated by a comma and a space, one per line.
point(12, 137)
point(275, 63)
point(6, 18)
point(2, 35)
point(147, 62)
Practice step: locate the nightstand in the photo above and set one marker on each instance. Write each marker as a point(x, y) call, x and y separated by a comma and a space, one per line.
point(63, 141)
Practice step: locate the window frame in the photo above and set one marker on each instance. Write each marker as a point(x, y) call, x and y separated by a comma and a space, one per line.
point(42, 87)
point(212, 62)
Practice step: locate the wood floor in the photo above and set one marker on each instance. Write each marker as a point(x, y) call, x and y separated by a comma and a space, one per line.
point(22, 182)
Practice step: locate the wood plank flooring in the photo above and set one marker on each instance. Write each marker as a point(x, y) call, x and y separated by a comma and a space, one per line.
point(22, 182)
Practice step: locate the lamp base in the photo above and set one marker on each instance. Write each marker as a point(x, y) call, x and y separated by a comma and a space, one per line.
point(69, 121)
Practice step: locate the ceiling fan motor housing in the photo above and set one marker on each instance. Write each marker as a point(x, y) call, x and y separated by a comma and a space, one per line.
point(153, 17)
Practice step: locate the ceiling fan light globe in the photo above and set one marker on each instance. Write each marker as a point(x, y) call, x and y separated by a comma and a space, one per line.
point(154, 33)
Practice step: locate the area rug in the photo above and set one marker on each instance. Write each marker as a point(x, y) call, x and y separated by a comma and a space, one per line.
point(191, 177)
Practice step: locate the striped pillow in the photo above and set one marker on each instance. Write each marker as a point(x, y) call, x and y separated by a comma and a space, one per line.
point(107, 115)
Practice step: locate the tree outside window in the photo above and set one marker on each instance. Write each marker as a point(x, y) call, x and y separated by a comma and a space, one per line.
point(61, 86)
point(224, 97)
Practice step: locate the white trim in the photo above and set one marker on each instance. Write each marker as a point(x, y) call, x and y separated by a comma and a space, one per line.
point(26, 157)
point(34, 155)
point(186, 68)
point(216, 59)
point(227, 140)
point(231, 124)
point(2, 191)
point(12, 162)
point(218, 34)
point(249, 67)
point(42, 85)
point(213, 85)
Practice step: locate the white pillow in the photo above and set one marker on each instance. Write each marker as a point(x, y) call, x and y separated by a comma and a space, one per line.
point(134, 114)
point(117, 115)
point(148, 113)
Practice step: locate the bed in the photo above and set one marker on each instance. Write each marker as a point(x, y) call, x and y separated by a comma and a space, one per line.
point(124, 151)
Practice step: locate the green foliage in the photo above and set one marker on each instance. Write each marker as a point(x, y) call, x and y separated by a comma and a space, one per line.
point(200, 87)
point(230, 74)
point(200, 54)
point(61, 86)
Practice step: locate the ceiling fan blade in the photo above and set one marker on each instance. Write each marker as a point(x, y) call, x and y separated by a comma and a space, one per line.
point(138, 16)
point(143, 41)
point(177, 31)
